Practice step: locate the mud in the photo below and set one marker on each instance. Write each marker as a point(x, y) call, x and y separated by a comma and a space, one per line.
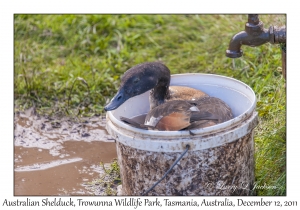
point(59, 157)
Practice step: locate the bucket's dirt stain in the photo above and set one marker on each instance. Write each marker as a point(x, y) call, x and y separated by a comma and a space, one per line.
point(226, 170)
point(58, 158)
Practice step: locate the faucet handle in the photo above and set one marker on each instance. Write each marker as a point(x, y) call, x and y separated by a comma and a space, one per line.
point(253, 19)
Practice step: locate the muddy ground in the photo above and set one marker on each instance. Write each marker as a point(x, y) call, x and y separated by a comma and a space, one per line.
point(61, 157)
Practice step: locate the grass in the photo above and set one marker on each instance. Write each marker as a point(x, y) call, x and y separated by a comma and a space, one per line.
point(70, 65)
point(108, 180)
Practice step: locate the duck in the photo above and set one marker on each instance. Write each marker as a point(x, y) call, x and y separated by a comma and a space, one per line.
point(153, 76)
point(178, 115)
point(172, 108)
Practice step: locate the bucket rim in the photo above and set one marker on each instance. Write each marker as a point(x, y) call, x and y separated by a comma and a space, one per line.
point(178, 144)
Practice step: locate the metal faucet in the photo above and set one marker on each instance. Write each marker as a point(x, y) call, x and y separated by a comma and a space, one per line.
point(255, 35)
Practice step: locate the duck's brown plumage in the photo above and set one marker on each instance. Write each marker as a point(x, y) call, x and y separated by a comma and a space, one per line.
point(184, 93)
point(177, 115)
point(170, 116)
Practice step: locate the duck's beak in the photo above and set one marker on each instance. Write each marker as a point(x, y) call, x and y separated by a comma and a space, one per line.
point(116, 101)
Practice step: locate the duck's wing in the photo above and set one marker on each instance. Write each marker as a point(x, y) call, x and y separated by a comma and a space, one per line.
point(170, 116)
point(219, 110)
point(215, 106)
point(202, 124)
point(135, 123)
point(202, 115)
point(175, 115)
point(173, 122)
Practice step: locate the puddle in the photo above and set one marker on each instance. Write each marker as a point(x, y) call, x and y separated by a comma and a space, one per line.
point(59, 157)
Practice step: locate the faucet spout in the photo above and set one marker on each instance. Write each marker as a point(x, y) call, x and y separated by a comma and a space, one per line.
point(253, 35)
point(244, 38)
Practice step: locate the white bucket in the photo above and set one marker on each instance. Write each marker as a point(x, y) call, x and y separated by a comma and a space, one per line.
point(220, 160)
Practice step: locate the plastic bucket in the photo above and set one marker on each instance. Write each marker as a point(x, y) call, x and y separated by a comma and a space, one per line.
point(220, 160)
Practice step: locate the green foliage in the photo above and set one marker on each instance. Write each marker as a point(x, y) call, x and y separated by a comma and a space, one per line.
point(72, 64)
point(109, 180)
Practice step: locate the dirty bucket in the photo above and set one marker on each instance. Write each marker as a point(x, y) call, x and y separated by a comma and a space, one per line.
point(220, 160)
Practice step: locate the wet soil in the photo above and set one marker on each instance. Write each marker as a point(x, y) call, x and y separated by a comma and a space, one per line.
point(59, 157)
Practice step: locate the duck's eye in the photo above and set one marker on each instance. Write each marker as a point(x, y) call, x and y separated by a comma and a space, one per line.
point(119, 97)
point(136, 80)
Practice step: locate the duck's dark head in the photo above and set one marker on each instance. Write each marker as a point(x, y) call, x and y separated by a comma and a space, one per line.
point(138, 80)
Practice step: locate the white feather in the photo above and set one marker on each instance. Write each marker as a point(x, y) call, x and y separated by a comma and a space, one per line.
point(194, 109)
point(153, 121)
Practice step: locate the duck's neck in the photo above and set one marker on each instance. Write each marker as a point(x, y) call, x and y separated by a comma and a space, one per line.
point(159, 93)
